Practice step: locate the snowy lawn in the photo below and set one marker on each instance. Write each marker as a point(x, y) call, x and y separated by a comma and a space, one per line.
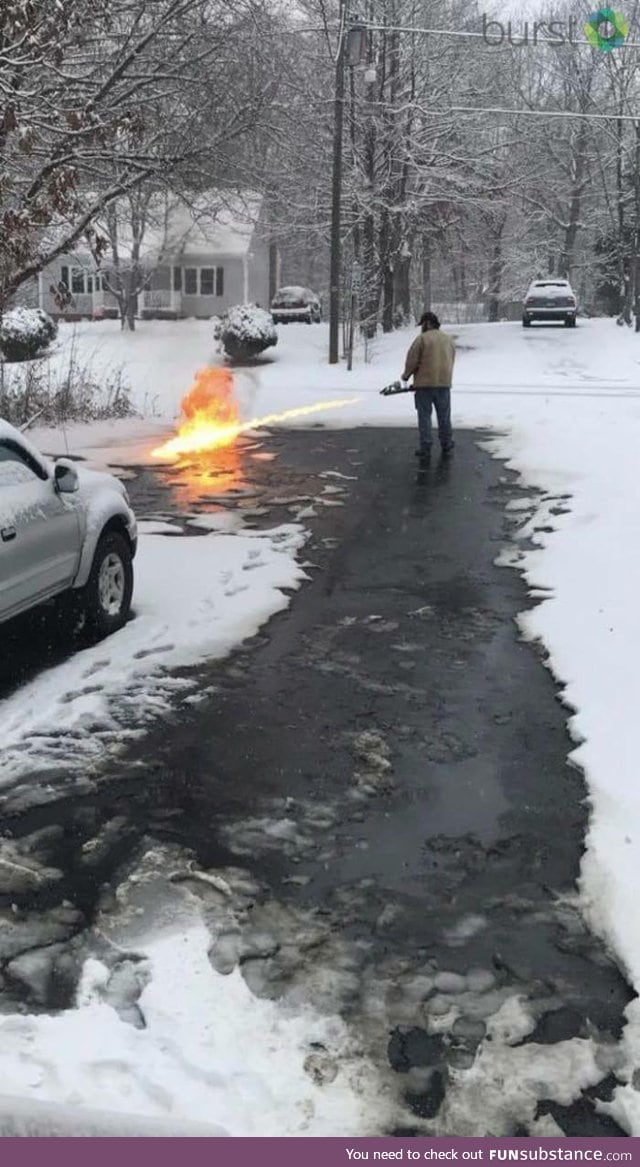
point(564, 409)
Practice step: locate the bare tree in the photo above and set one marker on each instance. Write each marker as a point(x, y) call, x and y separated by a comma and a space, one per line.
point(97, 99)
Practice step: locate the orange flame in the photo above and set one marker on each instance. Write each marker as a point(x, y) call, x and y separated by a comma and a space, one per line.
point(210, 417)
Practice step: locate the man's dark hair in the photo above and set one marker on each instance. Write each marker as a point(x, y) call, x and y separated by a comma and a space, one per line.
point(429, 320)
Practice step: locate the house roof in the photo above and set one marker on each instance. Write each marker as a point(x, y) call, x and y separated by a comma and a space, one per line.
point(213, 224)
point(209, 226)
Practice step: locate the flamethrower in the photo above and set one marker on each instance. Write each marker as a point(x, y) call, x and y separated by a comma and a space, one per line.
point(396, 387)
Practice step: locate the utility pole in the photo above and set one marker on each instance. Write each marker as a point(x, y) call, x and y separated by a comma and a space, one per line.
point(336, 195)
point(351, 48)
point(636, 232)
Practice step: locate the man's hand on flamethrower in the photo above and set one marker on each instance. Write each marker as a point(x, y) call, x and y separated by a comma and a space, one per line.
point(397, 387)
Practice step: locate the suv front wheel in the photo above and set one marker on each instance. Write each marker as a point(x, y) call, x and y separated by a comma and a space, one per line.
point(107, 595)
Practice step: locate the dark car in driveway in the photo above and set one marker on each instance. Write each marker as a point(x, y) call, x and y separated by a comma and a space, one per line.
point(550, 300)
point(293, 304)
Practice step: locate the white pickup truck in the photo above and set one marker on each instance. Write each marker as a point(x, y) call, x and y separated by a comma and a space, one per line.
point(63, 530)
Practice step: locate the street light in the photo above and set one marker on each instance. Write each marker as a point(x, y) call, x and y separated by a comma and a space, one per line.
point(351, 47)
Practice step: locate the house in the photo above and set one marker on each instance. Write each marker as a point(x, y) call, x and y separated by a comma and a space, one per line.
point(200, 259)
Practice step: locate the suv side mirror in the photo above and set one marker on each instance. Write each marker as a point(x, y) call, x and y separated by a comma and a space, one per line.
point(65, 478)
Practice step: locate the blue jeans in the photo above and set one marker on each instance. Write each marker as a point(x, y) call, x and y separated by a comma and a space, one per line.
point(425, 399)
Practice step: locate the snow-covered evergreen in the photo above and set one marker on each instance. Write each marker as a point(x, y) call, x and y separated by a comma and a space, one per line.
point(25, 332)
point(245, 331)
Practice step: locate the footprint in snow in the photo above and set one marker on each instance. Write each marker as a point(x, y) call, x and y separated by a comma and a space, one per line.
point(73, 694)
point(95, 668)
point(153, 651)
point(120, 1077)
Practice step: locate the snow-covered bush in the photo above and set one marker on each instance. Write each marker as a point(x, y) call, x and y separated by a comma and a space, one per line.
point(245, 331)
point(24, 332)
point(49, 325)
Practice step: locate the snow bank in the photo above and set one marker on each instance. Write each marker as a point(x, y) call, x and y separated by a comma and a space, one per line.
point(189, 607)
point(210, 1052)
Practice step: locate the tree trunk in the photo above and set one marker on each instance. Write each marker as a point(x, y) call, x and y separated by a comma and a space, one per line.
point(426, 274)
point(495, 278)
point(623, 266)
point(566, 257)
point(402, 292)
point(370, 296)
point(636, 233)
point(370, 285)
point(387, 298)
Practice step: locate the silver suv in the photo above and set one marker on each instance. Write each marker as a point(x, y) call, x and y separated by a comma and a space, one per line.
point(551, 299)
point(63, 530)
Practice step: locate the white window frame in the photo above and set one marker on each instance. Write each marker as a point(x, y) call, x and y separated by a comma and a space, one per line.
point(215, 268)
point(88, 274)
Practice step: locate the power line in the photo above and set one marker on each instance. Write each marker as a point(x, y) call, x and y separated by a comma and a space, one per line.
point(540, 113)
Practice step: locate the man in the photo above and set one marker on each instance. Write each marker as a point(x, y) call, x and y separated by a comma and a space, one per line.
point(430, 362)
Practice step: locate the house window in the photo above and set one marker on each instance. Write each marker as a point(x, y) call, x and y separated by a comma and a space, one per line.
point(78, 280)
point(199, 281)
point(206, 281)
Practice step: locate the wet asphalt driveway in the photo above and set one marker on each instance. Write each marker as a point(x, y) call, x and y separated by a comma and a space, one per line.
point(388, 758)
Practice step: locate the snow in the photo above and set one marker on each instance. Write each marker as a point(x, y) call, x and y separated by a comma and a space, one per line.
point(294, 296)
point(211, 227)
point(214, 225)
point(188, 608)
point(210, 1052)
point(30, 325)
point(567, 406)
point(562, 408)
point(246, 330)
point(550, 289)
point(12, 474)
